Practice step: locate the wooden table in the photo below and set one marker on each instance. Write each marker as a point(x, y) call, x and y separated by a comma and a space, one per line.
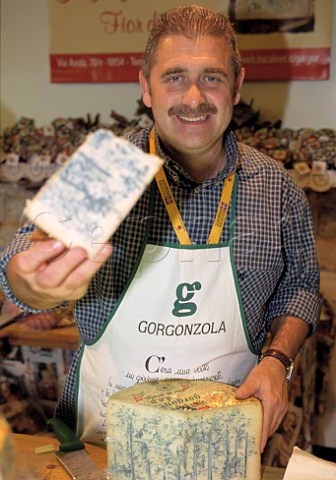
point(29, 465)
point(47, 467)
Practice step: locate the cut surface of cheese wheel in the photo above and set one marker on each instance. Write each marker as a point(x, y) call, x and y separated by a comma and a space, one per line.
point(83, 203)
point(183, 429)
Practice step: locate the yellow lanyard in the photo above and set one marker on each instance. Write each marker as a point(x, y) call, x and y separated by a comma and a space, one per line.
point(173, 211)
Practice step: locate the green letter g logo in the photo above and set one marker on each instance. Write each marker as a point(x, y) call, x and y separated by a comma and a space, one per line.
point(185, 292)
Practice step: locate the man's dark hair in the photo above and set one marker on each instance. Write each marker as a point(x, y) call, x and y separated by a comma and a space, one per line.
point(192, 22)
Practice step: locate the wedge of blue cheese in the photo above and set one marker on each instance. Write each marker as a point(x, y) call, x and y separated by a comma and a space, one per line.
point(183, 429)
point(83, 203)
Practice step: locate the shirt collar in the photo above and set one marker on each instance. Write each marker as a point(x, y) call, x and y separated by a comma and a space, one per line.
point(180, 177)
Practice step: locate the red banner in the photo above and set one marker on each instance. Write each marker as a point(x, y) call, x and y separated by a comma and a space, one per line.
point(282, 64)
point(95, 68)
point(102, 41)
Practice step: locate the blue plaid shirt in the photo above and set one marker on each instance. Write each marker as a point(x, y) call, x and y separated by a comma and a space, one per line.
point(273, 245)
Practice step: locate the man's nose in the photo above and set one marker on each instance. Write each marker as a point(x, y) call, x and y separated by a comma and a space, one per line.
point(194, 95)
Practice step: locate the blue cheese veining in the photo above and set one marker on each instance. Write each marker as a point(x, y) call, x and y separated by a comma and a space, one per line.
point(183, 429)
point(85, 201)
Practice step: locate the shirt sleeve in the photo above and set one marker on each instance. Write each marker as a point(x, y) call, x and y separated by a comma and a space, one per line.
point(297, 292)
point(19, 243)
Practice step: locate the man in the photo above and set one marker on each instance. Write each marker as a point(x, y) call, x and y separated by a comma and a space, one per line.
point(191, 287)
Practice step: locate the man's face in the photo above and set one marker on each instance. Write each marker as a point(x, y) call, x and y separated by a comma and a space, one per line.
point(191, 94)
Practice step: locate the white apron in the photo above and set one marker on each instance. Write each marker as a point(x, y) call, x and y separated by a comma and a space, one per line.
point(180, 316)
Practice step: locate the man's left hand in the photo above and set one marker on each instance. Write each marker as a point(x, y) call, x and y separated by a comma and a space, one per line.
point(267, 382)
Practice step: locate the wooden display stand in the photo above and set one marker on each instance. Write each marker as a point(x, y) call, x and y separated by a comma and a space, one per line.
point(64, 337)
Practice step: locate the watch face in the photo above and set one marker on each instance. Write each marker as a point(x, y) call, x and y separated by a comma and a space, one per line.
point(290, 371)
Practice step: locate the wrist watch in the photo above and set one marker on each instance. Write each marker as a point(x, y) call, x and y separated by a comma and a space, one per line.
point(282, 357)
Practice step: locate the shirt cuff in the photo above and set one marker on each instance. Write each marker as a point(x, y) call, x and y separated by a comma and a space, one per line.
point(302, 304)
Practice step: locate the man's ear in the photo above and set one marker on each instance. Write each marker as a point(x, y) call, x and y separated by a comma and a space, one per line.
point(239, 84)
point(145, 90)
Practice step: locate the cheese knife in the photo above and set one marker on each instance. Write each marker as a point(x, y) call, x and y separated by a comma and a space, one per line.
point(72, 454)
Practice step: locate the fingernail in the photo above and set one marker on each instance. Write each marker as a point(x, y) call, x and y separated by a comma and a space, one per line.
point(57, 244)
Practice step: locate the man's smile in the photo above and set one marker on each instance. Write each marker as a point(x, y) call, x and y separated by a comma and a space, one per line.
point(193, 119)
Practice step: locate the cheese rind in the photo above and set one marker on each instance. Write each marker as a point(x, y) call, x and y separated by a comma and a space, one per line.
point(85, 201)
point(183, 429)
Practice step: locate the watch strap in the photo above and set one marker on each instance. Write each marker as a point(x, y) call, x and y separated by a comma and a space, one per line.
point(282, 357)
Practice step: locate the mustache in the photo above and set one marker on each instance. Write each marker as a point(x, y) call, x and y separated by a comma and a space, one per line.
point(186, 111)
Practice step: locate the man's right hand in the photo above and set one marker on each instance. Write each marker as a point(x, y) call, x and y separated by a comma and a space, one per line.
point(48, 273)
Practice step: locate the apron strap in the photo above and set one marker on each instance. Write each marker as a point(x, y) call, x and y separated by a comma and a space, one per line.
point(174, 213)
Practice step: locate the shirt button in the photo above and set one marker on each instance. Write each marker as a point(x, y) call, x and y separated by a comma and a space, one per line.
point(196, 190)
